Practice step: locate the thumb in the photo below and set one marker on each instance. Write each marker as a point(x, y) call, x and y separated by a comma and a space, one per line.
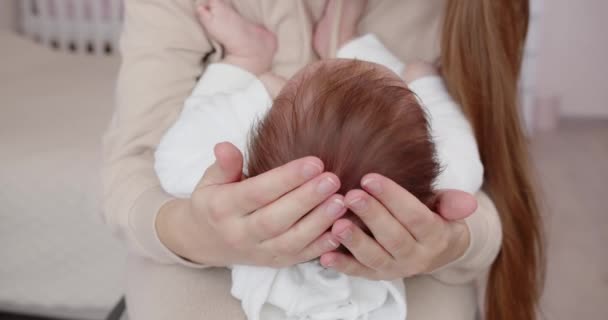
point(455, 204)
point(227, 168)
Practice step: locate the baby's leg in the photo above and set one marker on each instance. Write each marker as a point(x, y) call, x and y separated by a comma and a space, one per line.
point(248, 45)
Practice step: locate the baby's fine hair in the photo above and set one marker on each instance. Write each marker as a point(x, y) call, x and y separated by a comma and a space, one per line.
point(357, 119)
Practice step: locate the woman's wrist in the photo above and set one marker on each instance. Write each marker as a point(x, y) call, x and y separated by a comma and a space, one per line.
point(177, 230)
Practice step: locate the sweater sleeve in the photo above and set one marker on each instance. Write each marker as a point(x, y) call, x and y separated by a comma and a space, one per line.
point(162, 45)
point(224, 106)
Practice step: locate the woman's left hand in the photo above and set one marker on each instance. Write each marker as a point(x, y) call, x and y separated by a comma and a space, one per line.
point(408, 238)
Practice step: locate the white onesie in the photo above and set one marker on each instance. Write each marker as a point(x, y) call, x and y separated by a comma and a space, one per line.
point(225, 104)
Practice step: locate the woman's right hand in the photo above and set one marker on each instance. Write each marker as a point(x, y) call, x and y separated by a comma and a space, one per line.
point(275, 219)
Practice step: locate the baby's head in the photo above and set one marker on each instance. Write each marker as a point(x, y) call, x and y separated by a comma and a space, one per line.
point(358, 118)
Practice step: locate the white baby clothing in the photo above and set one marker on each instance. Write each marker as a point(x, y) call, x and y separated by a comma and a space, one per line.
point(225, 104)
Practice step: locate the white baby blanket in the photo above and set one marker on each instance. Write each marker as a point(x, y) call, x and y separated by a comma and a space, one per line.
point(308, 291)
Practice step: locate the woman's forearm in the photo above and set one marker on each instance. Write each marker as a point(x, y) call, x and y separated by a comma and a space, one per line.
point(161, 47)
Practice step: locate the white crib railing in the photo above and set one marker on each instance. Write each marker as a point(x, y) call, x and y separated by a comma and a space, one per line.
point(82, 26)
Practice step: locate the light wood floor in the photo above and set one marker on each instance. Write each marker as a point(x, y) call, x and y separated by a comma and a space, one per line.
point(572, 165)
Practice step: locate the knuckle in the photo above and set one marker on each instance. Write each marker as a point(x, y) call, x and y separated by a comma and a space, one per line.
point(277, 262)
point(407, 249)
point(287, 179)
point(394, 244)
point(259, 196)
point(378, 262)
point(302, 203)
point(235, 240)
point(286, 248)
point(216, 209)
point(416, 221)
point(266, 227)
point(443, 243)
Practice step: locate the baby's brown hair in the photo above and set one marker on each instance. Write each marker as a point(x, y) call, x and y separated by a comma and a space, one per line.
point(355, 116)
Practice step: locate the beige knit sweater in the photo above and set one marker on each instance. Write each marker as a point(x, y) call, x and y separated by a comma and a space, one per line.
point(164, 51)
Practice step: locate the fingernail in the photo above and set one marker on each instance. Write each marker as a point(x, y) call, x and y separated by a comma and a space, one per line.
point(346, 236)
point(326, 186)
point(372, 185)
point(358, 205)
point(311, 170)
point(331, 244)
point(334, 208)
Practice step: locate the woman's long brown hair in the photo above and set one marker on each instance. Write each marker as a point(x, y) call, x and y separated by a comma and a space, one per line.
point(481, 55)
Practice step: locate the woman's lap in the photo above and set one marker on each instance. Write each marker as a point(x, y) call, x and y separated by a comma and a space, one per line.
point(156, 291)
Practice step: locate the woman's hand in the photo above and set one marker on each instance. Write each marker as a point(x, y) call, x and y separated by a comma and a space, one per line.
point(408, 238)
point(276, 219)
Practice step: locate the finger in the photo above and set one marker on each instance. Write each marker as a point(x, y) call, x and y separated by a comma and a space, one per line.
point(416, 217)
point(323, 244)
point(227, 168)
point(276, 218)
point(309, 228)
point(348, 265)
point(256, 192)
point(455, 204)
point(387, 230)
point(365, 249)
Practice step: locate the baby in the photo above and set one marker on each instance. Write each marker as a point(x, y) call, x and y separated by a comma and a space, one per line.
point(357, 116)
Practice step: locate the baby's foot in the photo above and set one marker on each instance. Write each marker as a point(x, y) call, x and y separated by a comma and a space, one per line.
point(349, 16)
point(247, 45)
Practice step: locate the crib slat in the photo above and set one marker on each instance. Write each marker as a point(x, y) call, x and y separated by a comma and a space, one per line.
point(83, 25)
point(93, 31)
point(79, 24)
point(25, 8)
point(46, 27)
point(62, 20)
point(116, 20)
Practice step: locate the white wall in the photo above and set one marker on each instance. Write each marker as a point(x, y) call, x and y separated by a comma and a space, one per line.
point(573, 56)
point(8, 14)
